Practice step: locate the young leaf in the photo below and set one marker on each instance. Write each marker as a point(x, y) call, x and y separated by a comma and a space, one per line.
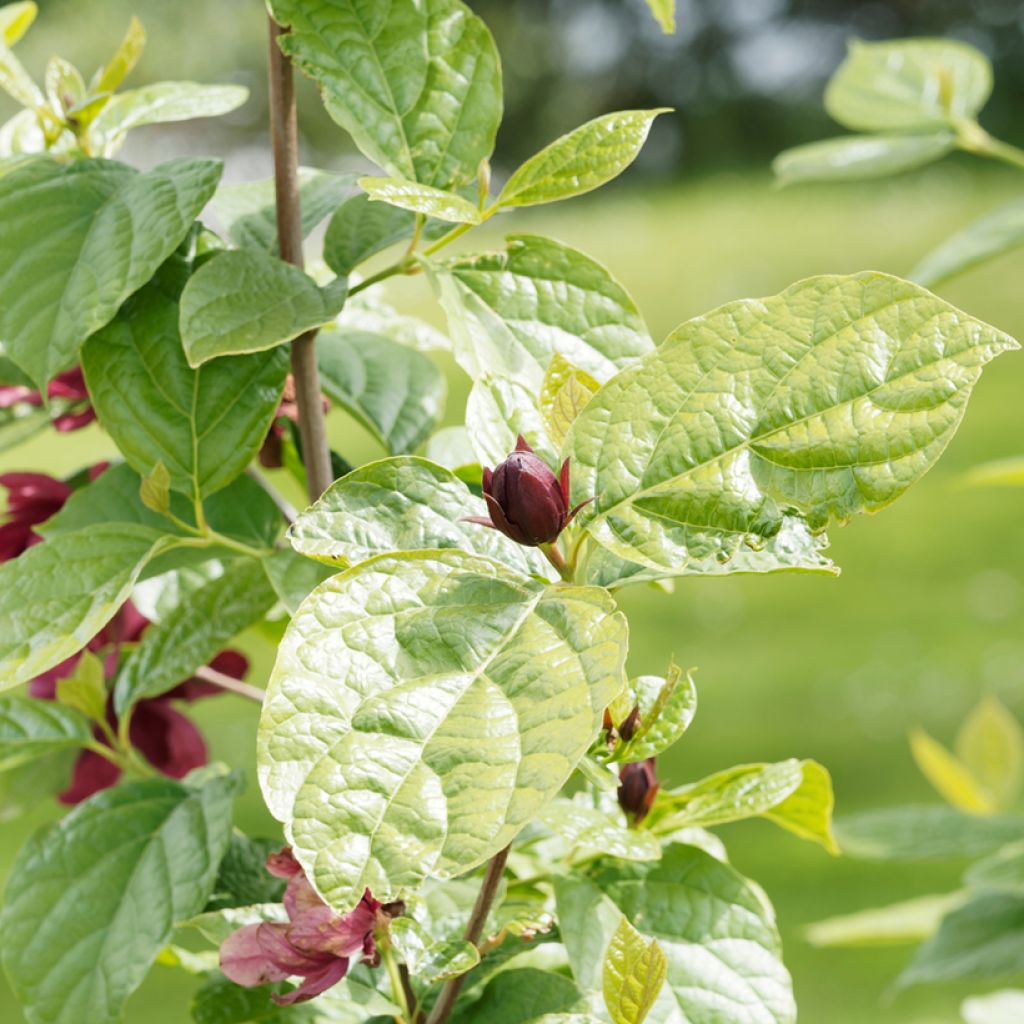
point(124, 60)
point(909, 85)
point(582, 160)
point(293, 577)
point(854, 157)
point(563, 393)
point(992, 235)
point(85, 689)
point(431, 202)
point(591, 833)
point(952, 779)
point(1002, 871)
point(419, 89)
point(64, 86)
point(155, 490)
point(430, 960)
point(369, 745)
point(194, 632)
point(396, 393)
point(991, 745)
point(898, 924)
point(634, 971)
point(92, 900)
point(18, 83)
point(81, 238)
point(360, 229)
point(667, 707)
point(402, 504)
point(246, 301)
point(820, 403)
point(664, 12)
point(15, 21)
point(57, 596)
point(32, 728)
point(206, 424)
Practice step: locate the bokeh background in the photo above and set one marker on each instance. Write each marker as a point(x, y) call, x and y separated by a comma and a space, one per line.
point(928, 613)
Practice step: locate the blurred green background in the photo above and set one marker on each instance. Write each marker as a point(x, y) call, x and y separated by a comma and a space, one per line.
point(929, 610)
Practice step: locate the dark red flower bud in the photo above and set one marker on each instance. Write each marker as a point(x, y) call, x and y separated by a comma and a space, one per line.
point(527, 502)
point(630, 724)
point(638, 786)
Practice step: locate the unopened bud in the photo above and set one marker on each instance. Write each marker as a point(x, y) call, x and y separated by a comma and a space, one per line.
point(638, 786)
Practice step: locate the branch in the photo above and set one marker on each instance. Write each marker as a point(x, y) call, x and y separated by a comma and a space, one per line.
point(229, 683)
point(474, 929)
point(285, 138)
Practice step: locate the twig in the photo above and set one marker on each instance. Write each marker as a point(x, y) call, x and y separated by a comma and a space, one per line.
point(474, 929)
point(285, 138)
point(410, 995)
point(284, 507)
point(230, 683)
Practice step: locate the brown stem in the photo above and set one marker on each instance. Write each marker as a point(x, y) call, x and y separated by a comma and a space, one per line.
point(474, 929)
point(229, 683)
point(285, 137)
point(284, 507)
point(410, 995)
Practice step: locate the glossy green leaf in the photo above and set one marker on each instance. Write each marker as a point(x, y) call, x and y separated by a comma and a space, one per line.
point(587, 920)
point(854, 157)
point(402, 504)
point(717, 934)
point(952, 779)
point(1006, 1007)
point(429, 960)
point(524, 995)
point(982, 939)
point(15, 21)
point(898, 924)
point(416, 84)
point(293, 576)
point(664, 12)
point(424, 199)
point(564, 391)
point(31, 728)
point(582, 160)
point(807, 811)
point(822, 402)
point(246, 301)
point(992, 235)
point(248, 211)
point(589, 832)
point(396, 393)
point(1002, 870)
point(369, 747)
point(195, 632)
point(908, 84)
point(78, 240)
point(924, 833)
point(93, 899)
point(634, 972)
point(57, 596)
point(124, 60)
point(205, 425)
point(667, 707)
point(991, 745)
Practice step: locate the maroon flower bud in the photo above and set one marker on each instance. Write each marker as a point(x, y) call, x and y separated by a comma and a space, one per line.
point(630, 724)
point(527, 502)
point(638, 786)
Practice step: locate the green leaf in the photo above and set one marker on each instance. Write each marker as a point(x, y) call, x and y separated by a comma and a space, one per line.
point(854, 157)
point(807, 812)
point(24, 788)
point(15, 21)
point(982, 939)
point(822, 402)
point(402, 504)
point(248, 210)
point(195, 632)
point(204, 424)
point(85, 689)
point(565, 390)
point(242, 878)
point(524, 995)
point(64, 86)
point(898, 924)
point(216, 925)
point(396, 393)
point(716, 931)
point(1003, 870)
point(908, 84)
point(590, 832)
point(429, 960)
point(360, 229)
point(79, 240)
point(31, 728)
point(582, 160)
point(664, 12)
point(418, 86)
point(924, 833)
point(991, 745)
point(293, 576)
point(634, 972)
point(424, 199)
point(18, 83)
point(93, 899)
point(370, 748)
point(155, 490)
point(667, 707)
point(952, 779)
point(587, 920)
point(124, 60)
point(219, 1001)
point(992, 235)
point(246, 301)
point(1006, 1007)
point(160, 103)
point(57, 596)
point(365, 312)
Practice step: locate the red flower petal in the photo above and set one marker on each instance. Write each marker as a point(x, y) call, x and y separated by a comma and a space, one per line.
point(171, 743)
point(92, 772)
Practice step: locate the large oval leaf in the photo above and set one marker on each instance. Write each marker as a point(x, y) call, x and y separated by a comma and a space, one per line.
point(822, 402)
point(372, 749)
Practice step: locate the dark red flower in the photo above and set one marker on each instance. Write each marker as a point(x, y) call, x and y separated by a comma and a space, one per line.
point(526, 501)
point(68, 387)
point(316, 944)
point(32, 498)
point(638, 786)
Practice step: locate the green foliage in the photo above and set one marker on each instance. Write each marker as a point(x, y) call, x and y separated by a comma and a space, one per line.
point(422, 199)
point(428, 959)
point(664, 12)
point(30, 729)
point(667, 707)
point(634, 972)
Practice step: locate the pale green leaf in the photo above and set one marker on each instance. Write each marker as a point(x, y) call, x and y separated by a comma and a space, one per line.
point(582, 160)
point(423, 199)
point(85, 689)
point(1005, 1007)
point(127, 55)
point(991, 745)
point(293, 576)
point(79, 239)
point(398, 394)
point(430, 960)
point(246, 301)
point(366, 312)
point(31, 728)
point(1003, 870)
point(93, 899)
point(664, 12)
point(360, 229)
point(204, 424)
point(999, 473)
point(908, 84)
point(248, 210)
point(667, 707)
point(57, 596)
point(820, 403)
point(634, 972)
point(587, 920)
point(807, 811)
point(199, 628)
point(64, 86)
point(402, 504)
point(498, 411)
point(17, 82)
point(370, 748)
point(564, 391)
point(416, 83)
point(898, 924)
point(589, 832)
point(450, 447)
point(952, 779)
point(155, 490)
point(15, 21)
point(854, 157)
